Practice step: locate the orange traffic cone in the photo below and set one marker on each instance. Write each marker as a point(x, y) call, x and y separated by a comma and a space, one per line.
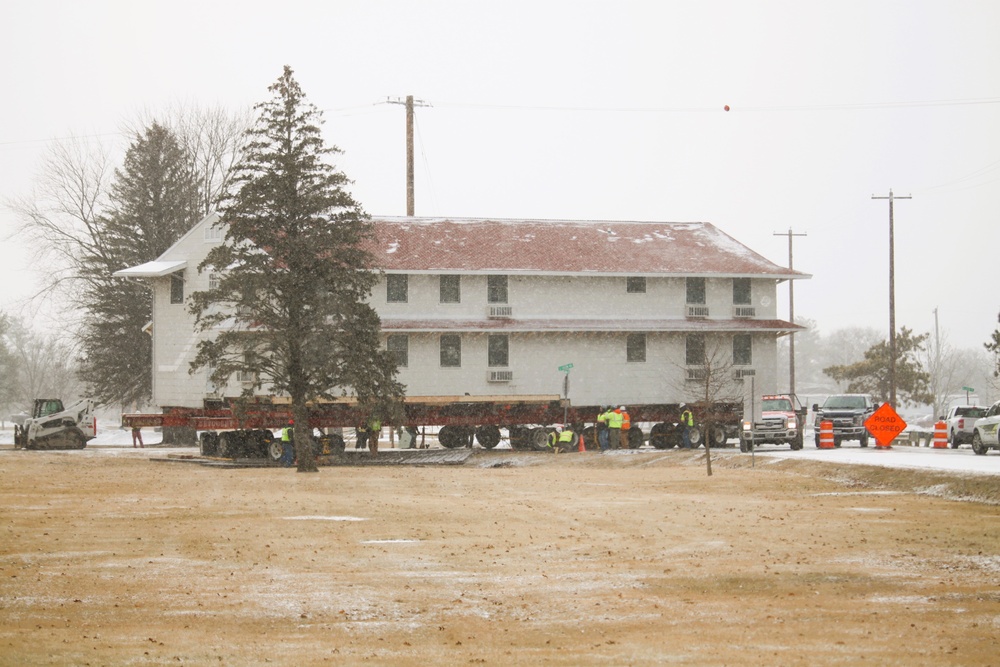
point(582, 448)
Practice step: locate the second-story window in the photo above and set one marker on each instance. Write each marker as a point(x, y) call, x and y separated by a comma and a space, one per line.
point(696, 290)
point(396, 288)
point(451, 350)
point(177, 287)
point(635, 285)
point(451, 289)
point(635, 347)
point(496, 289)
point(741, 292)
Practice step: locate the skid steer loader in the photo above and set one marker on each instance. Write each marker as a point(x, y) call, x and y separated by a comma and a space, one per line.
point(51, 426)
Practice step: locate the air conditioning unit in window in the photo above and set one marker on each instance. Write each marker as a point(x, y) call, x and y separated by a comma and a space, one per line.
point(697, 373)
point(499, 376)
point(246, 377)
point(743, 312)
point(740, 373)
point(697, 311)
point(500, 312)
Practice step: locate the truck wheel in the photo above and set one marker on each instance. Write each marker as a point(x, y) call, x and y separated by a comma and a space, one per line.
point(539, 439)
point(659, 436)
point(635, 438)
point(209, 441)
point(695, 436)
point(952, 440)
point(745, 445)
point(817, 441)
point(864, 439)
point(488, 436)
point(977, 444)
point(275, 448)
point(450, 436)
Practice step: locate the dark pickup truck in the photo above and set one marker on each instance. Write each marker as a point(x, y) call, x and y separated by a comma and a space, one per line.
point(848, 413)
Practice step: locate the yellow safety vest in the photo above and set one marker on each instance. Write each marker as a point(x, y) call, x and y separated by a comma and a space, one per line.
point(566, 436)
point(687, 418)
point(615, 420)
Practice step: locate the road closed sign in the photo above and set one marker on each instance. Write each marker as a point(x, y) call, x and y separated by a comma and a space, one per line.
point(884, 425)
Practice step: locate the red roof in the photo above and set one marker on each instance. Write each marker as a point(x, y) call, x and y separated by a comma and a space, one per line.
point(480, 245)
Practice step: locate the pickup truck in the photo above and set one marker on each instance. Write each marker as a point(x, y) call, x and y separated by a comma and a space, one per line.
point(779, 423)
point(984, 433)
point(848, 413)
point(961, 420)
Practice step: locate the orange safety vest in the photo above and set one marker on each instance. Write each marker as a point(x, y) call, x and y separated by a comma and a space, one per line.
point(626, 422)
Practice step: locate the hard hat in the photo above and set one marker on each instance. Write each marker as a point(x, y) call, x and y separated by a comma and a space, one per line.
point(622, 407)
point(291, 422)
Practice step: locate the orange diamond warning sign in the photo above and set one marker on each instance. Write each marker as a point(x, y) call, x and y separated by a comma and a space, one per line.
point(885, 425)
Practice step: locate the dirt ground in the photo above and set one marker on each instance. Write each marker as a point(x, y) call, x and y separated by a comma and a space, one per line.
point(512, 558)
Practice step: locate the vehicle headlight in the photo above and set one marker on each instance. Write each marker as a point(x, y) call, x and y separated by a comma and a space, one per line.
point(792, 424)
point(858, 420)
point(747, 426)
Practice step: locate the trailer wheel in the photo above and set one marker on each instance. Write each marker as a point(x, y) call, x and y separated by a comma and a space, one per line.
point(209, 441)
point(229, 444)
point(539, 439)
point(275, 449)
point(658, 436)
point(520, 437)
point(695, 436)
point(488, 436)
point(635, 438)
point(451, 436)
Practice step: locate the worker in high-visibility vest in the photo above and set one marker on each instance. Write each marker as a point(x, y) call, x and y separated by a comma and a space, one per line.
point(566, 439)
point(288, 443)
point(615, 420)
point(603, 435)
point(626, 425)
point(687, 423)
point(374, 432)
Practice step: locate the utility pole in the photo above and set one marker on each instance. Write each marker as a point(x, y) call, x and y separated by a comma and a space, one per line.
point(409, 102)
point(892, 302)
point(791, 311)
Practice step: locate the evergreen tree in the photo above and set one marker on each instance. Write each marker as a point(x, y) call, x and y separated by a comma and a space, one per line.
point(993, 347)
point(154, 200)
point(8, 366)
point(293, 274)
point(871, 374)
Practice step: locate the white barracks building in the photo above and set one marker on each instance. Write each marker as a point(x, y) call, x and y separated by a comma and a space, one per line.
point(496, 307)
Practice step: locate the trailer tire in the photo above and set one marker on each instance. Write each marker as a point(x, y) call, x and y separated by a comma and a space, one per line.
point(451, 436)
point(539, 439)
point(695, 435)
point(275, 449)
point(659, 436)
point(635, 438)
point(209, 441)
point(488, 436)
point(519, 437)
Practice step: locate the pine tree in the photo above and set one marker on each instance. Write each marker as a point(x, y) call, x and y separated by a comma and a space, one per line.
point(871, 375)
point(993, 347)
point(154, 200)
point(293, 274)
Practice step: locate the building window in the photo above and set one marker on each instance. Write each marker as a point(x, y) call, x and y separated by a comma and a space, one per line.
point(213, 232)
point(451, 289)
point(741, 292)
point(635, 347)
point(396, 288)
point(213, 281)
point(635, 285)
point(451, 350)
point(498, 347)
point(398, 346)
point(696, 290)
point(695, 350)
point(742, 350)
point(496, 289)
point(177, 288)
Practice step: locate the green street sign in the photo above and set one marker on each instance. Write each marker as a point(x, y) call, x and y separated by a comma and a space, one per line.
point(967, 389)
point(565, 369)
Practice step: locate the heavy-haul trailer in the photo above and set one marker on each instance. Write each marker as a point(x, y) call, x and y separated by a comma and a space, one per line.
point(244, 428)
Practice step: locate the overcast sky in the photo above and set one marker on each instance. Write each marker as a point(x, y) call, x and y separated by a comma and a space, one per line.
point(586, 110)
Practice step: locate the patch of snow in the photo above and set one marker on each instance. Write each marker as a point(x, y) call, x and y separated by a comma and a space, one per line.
point(324, 518)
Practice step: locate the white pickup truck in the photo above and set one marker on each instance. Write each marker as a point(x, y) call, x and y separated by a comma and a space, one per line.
point(984, 432)
point(961, 420)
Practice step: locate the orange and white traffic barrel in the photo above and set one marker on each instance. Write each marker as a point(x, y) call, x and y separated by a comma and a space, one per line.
point(826, 435)
point(940, 435)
